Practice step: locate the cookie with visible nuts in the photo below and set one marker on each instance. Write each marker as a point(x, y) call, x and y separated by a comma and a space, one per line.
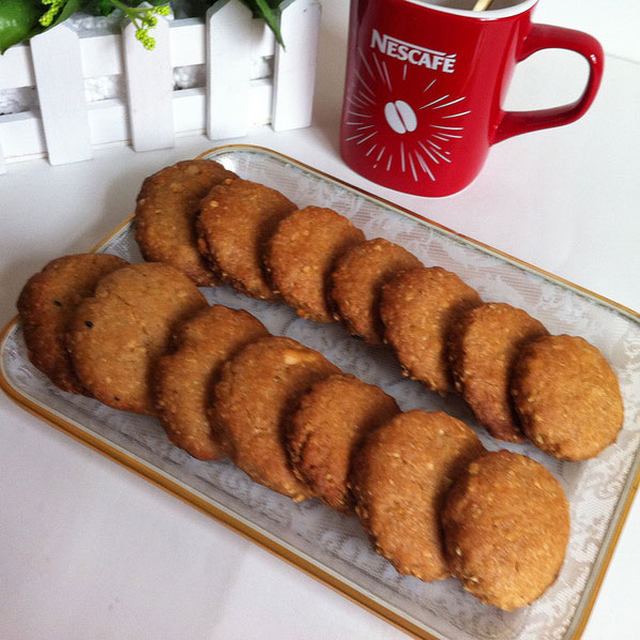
point(183, 380)
point(567, 397)
point(400, 478)
point(257, 390)
point(301, 253)
point(46, 305)
point(419, 308)
point(506, 529)
point(357, 280)
point(483, 347)
point(333, 417)
point(166, 209)
point(116, 336)
point(236, 220)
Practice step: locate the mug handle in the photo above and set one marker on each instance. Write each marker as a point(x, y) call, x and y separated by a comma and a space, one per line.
point(544, 36)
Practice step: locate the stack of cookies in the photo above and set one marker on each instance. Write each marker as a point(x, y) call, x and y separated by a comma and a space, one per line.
point(142, 338)
point(253, 238)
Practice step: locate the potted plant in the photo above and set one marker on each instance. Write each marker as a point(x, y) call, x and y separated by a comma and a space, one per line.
point(20, 20)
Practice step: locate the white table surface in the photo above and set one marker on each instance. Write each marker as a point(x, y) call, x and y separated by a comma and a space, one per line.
point(90, 550)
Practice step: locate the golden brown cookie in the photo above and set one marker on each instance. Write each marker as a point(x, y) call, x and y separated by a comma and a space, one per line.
point(236, 220)
point(257, 390)
point(419, 308)
point(482, 350)
point(46, 305)
point(116, 336)
point(167, 206)
point(567, 397)
point(506, 529)
point(331, 421)
point(301, 254)
point(400, 478)
point(357, 280)
point(183, 380)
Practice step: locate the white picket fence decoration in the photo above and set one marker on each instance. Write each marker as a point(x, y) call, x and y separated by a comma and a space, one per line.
point(249, 82)
point(58, 73)
point(295, 66)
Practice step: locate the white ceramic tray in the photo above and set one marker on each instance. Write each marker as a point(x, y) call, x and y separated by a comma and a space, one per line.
point(333, 547)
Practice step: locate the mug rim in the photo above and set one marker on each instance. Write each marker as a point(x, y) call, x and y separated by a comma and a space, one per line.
point(495, 14)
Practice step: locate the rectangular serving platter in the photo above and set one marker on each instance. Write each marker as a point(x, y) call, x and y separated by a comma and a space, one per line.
point(332, 547)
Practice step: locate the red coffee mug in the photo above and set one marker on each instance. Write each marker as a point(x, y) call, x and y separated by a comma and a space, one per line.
point(426, 83)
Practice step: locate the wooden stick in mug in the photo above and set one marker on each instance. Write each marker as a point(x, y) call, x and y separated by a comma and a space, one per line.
point(482, 5)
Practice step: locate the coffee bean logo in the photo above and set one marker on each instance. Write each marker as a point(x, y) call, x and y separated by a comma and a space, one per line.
point(386, 131)
point(400, 116)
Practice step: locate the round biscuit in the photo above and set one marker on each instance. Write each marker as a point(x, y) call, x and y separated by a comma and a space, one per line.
point(257, 390)
point(236, 219)
point(482, 350)
point(301, 254)
point(116, 336)
point(400, 478)
point(328, 426)
point(567, 397)
point(506, 529)
point(357, 280)
point(419, 307)
point(166, 208)
point(183, 380)
point(46, 305)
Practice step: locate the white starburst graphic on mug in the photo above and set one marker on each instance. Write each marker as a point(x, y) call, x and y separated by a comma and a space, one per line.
point(421, 133)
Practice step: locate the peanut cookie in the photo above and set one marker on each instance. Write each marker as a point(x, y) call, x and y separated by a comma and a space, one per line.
point(258, 388)
point(183, 380)
point(418, 308)
point(46, 305)
point(236, 220)
point(301, 253)
point(116, 336)
point(357, 280)
point(167, 206)
point(482, 350)
point(506, 529)
point(400, 478)
point(331, 421)
point(567, 397)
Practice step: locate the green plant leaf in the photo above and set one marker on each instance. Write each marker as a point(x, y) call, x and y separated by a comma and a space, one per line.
point(98, 7)
point(262, 9)
point(106, 7)
point(17, 19)
point(71, 6)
